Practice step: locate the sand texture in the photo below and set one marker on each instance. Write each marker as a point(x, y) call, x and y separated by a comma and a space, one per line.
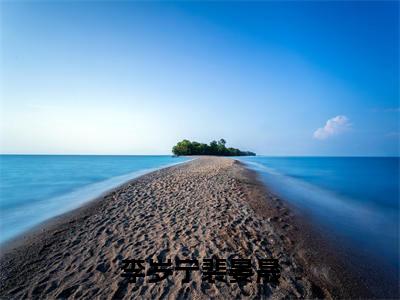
point(209, 206)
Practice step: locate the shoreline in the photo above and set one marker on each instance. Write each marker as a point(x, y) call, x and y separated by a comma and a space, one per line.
point(357, 274)
point(18, 238)
point(269, 227)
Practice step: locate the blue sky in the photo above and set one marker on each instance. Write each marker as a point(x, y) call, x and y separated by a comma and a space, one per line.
point(277, 78)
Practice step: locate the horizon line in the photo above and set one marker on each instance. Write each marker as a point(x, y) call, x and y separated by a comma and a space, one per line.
point(260, 155)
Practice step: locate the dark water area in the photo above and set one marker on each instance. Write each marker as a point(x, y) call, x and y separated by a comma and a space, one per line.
point(354, 200)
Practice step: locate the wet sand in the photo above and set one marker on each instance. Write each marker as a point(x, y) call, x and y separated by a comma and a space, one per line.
point(203, 208)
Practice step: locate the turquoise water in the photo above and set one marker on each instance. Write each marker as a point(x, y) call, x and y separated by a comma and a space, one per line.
point(353, 199)
point(34, 188)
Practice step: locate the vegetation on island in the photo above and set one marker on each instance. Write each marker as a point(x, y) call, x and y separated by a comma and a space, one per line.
point(186, 147)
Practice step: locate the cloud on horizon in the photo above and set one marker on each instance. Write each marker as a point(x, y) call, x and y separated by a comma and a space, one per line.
point(332, 127)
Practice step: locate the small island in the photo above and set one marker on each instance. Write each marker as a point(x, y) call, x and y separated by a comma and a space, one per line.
point(186, 147)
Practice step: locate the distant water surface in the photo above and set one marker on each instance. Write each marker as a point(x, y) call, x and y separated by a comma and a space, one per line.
point(34, 188)
point(355, 199)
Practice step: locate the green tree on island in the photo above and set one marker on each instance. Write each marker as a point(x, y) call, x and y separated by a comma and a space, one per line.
point(186, 147)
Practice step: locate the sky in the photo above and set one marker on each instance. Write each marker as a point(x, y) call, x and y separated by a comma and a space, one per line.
point(276, 78)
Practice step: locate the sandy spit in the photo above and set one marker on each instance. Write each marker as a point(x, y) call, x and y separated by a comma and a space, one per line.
point(204, 208)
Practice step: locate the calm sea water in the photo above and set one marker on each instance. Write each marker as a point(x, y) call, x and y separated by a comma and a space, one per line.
point(34, 188)
point(355, 199)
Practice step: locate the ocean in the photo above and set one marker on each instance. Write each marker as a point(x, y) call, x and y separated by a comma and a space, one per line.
point(34, 188)
point(353, 199)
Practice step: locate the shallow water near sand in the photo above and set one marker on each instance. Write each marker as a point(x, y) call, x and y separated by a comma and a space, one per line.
point(355, 199)
point(34, 188)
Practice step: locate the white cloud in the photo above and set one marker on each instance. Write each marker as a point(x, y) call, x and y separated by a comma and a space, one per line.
point(332, 127)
